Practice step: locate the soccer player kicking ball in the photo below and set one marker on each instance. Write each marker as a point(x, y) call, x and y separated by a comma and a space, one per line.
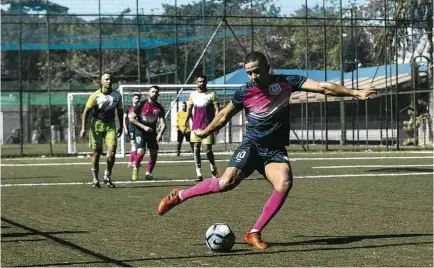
point(265, 101)
point(145, 116)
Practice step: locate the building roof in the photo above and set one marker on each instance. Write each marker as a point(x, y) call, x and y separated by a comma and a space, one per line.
point(379, 77)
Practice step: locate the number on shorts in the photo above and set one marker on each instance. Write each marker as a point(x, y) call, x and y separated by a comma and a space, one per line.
point(240, 156)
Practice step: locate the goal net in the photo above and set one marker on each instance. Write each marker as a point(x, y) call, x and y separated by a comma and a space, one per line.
point(171, 97)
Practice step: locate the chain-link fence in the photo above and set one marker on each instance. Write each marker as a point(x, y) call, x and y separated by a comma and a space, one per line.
point(52, 48)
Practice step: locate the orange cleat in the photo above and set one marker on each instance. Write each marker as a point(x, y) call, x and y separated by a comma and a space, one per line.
point(254, 239)
point(169, 201)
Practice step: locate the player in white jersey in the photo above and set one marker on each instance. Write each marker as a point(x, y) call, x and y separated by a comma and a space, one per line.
point(205, 106)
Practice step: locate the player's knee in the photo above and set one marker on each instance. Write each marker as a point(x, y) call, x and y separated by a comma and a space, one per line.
point(228, 181)
point(208, 149)
point(153, 152)
point(284, 185)
point(111, 154)
point(97, 151)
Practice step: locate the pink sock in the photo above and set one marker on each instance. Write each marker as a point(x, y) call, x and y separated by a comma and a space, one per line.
point(132, 157)
point(138, 159)
point(272, 206)
point(204, 187)
point(151, 163)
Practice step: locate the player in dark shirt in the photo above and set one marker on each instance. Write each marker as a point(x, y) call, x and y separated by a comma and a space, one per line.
point(265, 100)
point(145, 116)
point(130, 129)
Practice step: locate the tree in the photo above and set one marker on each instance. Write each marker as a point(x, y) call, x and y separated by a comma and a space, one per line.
point(26, 6)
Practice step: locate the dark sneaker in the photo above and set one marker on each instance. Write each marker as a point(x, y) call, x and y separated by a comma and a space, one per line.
point(108, 181)
point(96, 185)
point(149, 177)
point(109, 184)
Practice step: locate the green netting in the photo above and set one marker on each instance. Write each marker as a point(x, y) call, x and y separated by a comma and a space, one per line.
point(12, 99)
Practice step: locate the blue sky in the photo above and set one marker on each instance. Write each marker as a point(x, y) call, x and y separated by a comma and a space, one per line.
point(154, 6)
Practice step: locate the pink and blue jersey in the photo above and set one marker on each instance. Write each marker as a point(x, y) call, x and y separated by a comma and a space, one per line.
point(148, 114)
point(267, 110)
point(203, 105)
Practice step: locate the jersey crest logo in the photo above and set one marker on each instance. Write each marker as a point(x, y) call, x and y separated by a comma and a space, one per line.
point(274, 89)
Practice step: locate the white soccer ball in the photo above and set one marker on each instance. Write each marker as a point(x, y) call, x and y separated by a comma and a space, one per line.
point(219, 237)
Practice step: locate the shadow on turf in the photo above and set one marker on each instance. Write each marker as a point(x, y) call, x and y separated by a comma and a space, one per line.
point(40, 233)
point(345, 239)
point(23, 240)
point(408, 169)
point(235, 252)
point(48, 235)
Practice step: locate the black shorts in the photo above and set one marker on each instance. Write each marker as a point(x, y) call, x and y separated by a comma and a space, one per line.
point(181, 136)
point(146, 139)
point(250, 156)
point(131, 132)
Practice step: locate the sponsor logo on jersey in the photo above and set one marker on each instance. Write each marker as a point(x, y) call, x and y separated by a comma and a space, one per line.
point(275, 89)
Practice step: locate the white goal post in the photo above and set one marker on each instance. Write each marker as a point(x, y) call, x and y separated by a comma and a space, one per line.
point(170, 98)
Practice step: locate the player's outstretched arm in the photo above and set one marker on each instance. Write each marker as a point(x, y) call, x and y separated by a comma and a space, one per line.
point(329, 88)
point(219, 121)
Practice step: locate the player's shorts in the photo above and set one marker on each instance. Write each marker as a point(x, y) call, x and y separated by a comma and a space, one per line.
point(208, 140)
point(146, 139)
point(181, 136)
point(131, 132)
point(250, 156)
point(102, 131)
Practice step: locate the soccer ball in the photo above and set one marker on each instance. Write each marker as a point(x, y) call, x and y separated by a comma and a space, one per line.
point(219, 237)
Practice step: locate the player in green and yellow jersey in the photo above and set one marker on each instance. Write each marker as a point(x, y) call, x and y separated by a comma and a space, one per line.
point(103, 103)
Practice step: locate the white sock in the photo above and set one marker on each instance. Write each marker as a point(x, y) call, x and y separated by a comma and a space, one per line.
point(147, 173)
point(198, 172)
point(213, 167)
point(95, 175)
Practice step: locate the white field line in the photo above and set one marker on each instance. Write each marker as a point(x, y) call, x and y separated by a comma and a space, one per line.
point(375, 166)
point(218, 153)
point(102, 163)
point(362, 158)
point(85, 183)
point(193, 180)
point(363, 175)
point(220, 160)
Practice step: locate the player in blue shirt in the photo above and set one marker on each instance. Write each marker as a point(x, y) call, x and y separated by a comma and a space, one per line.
point(265, 100)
